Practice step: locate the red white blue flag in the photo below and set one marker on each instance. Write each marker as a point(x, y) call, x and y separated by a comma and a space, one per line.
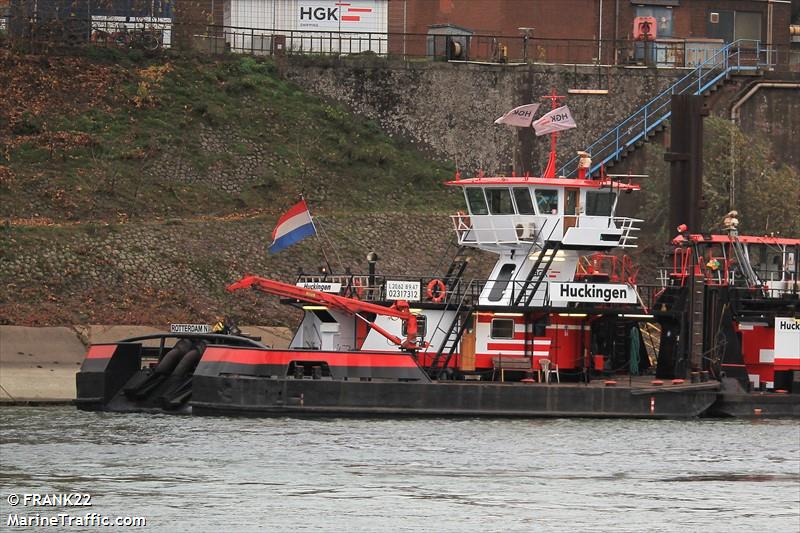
point(294, 226)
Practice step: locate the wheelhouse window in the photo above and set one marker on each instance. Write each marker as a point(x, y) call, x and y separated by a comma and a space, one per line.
point(476, 201)
point(522, 196)
point(499, 201)
point(502, 328)
point(422, 327)
point(547, 201)
point(600, 204)
point(500, 284)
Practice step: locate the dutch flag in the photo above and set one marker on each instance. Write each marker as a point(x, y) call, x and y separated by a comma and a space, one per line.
point(294, 226)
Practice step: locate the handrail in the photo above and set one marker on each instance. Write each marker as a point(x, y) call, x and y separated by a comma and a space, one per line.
point(636, 126)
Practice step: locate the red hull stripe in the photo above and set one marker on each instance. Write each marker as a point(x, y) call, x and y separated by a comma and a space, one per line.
point(510, 346)
point(280, 357)
point(101, 351)
point(520, 336)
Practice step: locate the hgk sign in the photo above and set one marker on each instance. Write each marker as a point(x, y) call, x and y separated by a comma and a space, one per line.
point(334, 15)
point(320, 14)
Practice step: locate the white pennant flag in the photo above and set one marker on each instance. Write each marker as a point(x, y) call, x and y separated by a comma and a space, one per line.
point(520, 117)
point(556, 120)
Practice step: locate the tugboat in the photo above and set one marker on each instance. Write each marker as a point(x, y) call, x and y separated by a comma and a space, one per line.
point(561, 327)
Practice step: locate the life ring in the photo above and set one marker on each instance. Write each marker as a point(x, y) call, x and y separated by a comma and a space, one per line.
point(436, 290)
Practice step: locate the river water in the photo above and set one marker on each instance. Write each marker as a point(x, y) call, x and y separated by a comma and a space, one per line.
point(186, 473)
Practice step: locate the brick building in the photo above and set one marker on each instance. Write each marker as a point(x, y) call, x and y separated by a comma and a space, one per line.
point(584, 29)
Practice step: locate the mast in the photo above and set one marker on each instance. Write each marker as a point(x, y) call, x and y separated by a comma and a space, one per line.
point(555, 101)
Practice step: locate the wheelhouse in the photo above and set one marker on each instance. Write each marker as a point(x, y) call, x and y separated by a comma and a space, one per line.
point(503, 212)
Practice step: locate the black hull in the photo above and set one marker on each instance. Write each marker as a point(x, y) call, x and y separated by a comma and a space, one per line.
point(755, 405)
point(230, 395)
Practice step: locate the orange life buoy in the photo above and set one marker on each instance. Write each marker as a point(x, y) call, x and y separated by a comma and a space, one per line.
point(436, 290)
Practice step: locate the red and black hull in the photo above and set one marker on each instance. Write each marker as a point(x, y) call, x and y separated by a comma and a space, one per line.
point(254, 380)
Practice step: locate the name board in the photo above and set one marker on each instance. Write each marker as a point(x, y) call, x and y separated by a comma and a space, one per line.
point(189, 328)
point(787, 340)
point(608, 293)
point(321, 286)
point(403, 290)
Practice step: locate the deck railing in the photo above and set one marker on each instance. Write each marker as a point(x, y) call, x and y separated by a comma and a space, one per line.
point(46, 32)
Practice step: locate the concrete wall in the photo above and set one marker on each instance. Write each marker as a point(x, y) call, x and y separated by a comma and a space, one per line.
point(450, 107)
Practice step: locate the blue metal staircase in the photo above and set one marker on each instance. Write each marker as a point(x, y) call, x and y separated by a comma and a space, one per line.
point(744, 55)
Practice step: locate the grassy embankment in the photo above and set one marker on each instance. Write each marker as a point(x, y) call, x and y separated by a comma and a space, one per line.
point(133, 190)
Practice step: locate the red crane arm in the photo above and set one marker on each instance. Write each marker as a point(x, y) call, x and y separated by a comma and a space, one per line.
point(351, 306)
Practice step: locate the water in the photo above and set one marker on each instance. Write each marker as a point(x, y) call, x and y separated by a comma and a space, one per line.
point(231, 474)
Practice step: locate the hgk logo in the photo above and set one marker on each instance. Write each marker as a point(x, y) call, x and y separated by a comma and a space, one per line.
point(319, 13)
point(332, 14)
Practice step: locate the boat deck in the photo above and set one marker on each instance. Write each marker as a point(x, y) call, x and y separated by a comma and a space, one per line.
point(637, 384)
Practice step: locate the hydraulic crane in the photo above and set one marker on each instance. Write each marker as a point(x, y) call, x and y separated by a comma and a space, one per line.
point(400, 309)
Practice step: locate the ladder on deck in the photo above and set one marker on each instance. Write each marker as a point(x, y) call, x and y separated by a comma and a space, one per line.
point(452, 335)
point(743, 55)
point(553, 250)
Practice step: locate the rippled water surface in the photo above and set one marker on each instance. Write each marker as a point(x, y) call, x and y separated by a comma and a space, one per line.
point(229, 474)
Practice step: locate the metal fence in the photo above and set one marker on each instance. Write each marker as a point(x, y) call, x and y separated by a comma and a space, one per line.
point(36, 33)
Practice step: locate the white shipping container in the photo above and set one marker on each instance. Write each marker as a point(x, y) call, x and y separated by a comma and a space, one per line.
point(311, 26)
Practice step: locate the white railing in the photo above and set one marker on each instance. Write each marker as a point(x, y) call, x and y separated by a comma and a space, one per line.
point(498, 230)
point(502, 229)
point(627, 225)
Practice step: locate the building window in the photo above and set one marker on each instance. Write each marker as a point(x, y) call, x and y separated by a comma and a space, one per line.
point(500, 201)
point(747, 26)
point(663, 16)
point(547, 202)
point(422, 327)
point(600, 204)
point(502, 328)
point(522, 196)
point(732, 25)
point(476, 201)
point(500, 284)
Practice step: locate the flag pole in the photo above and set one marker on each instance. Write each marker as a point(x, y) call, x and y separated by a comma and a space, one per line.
point(319, 240)
point(550, 170)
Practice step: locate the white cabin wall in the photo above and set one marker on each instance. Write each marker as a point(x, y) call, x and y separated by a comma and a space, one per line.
point(433, 335)
point(562, 268)
point(315, 334)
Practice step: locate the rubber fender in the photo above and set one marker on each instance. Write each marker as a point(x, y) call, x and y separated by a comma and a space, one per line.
point(177, 395)
point(190, 360)
point(173, 357)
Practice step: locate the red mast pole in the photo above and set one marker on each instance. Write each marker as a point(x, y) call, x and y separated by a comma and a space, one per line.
point(550, 171)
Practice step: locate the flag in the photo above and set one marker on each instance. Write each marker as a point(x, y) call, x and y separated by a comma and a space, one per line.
point(556, 120)
point(520, 117)
point(294, 226)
